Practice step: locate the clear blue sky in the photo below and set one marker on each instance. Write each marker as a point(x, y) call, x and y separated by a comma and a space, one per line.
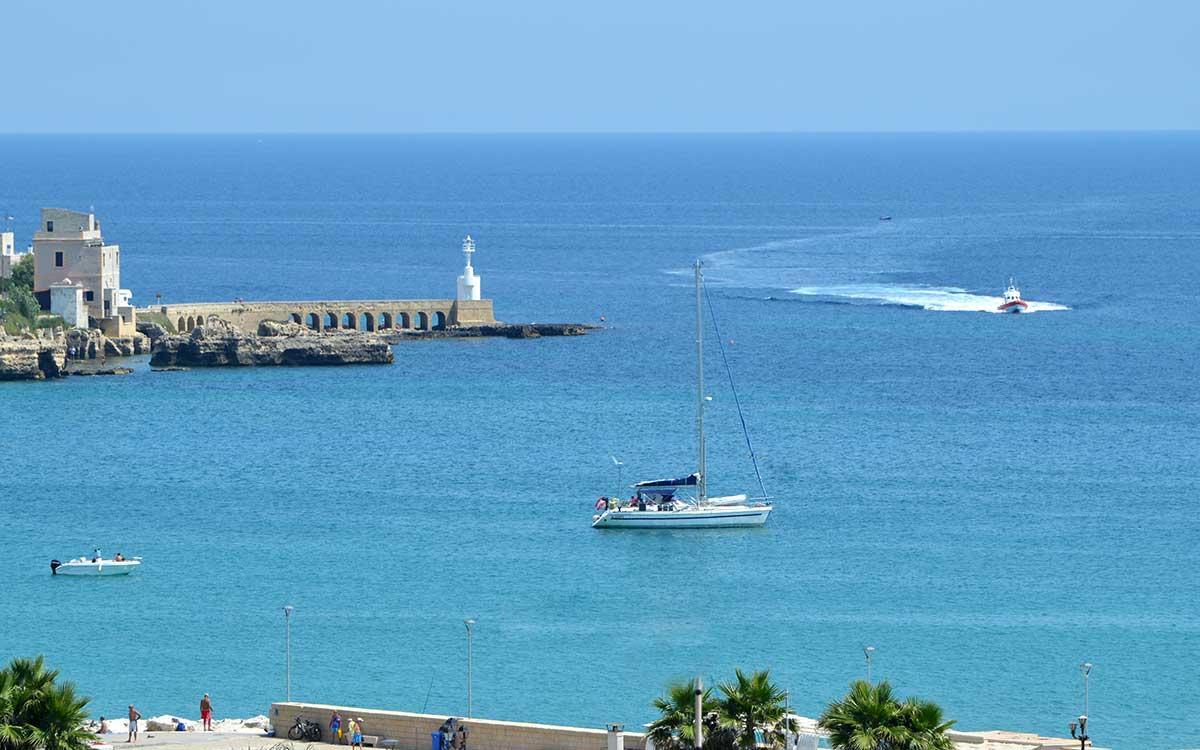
point(610, 65)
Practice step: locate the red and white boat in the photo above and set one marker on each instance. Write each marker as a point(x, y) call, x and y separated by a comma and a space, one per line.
point(1012, 300)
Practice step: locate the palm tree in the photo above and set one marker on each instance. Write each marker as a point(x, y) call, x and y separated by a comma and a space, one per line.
point(870, 717)
point(674, 729)
point(36, 713)
point(926, 725)
point(753, 702)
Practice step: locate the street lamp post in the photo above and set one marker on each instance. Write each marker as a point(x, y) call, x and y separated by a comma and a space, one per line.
point(287, 627)
point(1083, 735)
point(867, 651)
point(470, 623)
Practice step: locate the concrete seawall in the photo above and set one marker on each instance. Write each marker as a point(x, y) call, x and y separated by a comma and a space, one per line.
point(412, 731)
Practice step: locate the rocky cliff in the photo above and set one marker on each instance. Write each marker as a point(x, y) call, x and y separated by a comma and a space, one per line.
point(218, 344)
point(32, 358)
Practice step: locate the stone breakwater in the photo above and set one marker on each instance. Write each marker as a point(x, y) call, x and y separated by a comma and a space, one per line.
point(502, 330)
point(219, 344)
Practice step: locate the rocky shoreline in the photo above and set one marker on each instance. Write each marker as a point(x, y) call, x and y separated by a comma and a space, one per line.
point(219, 344)
point(32, 357)
point(51, 354)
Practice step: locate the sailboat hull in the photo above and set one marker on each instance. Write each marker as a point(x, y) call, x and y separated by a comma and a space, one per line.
point(689, 518)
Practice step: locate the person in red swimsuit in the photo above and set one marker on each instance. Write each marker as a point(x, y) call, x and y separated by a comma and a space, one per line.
point(206, 713)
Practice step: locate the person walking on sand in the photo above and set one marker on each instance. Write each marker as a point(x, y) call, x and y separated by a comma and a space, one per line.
point(206, 713)
point(335, 728)
point(356, 733)
point(133, 723)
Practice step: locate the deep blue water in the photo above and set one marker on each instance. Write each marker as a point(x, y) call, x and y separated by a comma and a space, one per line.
point(989, 500)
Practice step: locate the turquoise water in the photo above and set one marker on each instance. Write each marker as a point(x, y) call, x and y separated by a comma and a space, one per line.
point(989, 500)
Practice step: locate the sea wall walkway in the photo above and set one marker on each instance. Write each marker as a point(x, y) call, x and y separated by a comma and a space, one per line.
point(321, 315)
point(412, 731)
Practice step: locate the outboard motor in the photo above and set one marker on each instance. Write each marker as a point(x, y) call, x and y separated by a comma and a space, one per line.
point(54, 564)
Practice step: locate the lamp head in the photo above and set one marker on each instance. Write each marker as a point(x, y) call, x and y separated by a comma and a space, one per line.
point(287, 610)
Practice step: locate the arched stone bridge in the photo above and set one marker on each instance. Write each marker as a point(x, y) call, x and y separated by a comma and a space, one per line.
point(325, 315)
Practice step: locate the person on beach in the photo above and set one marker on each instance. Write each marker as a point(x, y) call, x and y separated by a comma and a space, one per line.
point(133, 723)
point(356, 734)
point(206, 713)
point(103, 726)
point(335, 728)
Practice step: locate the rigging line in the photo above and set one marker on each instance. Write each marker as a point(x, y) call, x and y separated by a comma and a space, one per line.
point(736, 400)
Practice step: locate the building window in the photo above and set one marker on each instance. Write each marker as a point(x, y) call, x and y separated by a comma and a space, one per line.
point(89, 295)
point(58, 260)
point(49, 226)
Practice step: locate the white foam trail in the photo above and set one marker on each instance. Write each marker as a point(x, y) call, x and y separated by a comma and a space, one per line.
point(940, 299)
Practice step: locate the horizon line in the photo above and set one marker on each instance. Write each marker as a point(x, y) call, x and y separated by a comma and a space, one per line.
point(980, 131)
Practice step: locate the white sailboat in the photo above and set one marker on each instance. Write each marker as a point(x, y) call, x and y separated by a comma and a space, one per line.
point(659, 504)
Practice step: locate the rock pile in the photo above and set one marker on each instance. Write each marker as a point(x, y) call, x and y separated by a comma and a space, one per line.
point(219, 344)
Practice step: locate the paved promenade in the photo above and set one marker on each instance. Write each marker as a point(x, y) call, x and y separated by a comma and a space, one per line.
point(203, 741)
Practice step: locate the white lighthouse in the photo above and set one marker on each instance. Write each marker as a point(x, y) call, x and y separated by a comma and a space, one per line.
point(468, 283)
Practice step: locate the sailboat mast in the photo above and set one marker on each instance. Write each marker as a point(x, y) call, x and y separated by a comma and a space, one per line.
point(700, 389)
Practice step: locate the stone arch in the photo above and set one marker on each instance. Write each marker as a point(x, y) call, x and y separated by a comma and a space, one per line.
point(191, 323)
point(366, 322)
point(297, 318)
point(349, 321)
point(439, 321)
point(329, 321)
point(313, 321)
point(422, 321)
point(179, 326)
point(385, 321)
point(405, 320)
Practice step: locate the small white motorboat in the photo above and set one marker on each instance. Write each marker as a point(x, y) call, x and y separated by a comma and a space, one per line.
point(95, 565)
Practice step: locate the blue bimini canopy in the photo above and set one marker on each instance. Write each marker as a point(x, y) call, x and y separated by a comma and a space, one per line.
point(666, 488)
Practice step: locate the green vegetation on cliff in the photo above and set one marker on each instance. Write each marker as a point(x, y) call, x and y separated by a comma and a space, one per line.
point(19, 309)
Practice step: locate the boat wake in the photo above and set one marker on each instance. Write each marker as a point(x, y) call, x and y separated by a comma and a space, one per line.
point(938, 299)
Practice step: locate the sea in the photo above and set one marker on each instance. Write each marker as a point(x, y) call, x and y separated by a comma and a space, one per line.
point(988, 500)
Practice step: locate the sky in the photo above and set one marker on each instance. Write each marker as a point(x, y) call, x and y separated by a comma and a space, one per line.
point(183, 66)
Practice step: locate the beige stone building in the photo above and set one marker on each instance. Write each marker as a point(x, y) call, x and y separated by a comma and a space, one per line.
point(68, 245)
